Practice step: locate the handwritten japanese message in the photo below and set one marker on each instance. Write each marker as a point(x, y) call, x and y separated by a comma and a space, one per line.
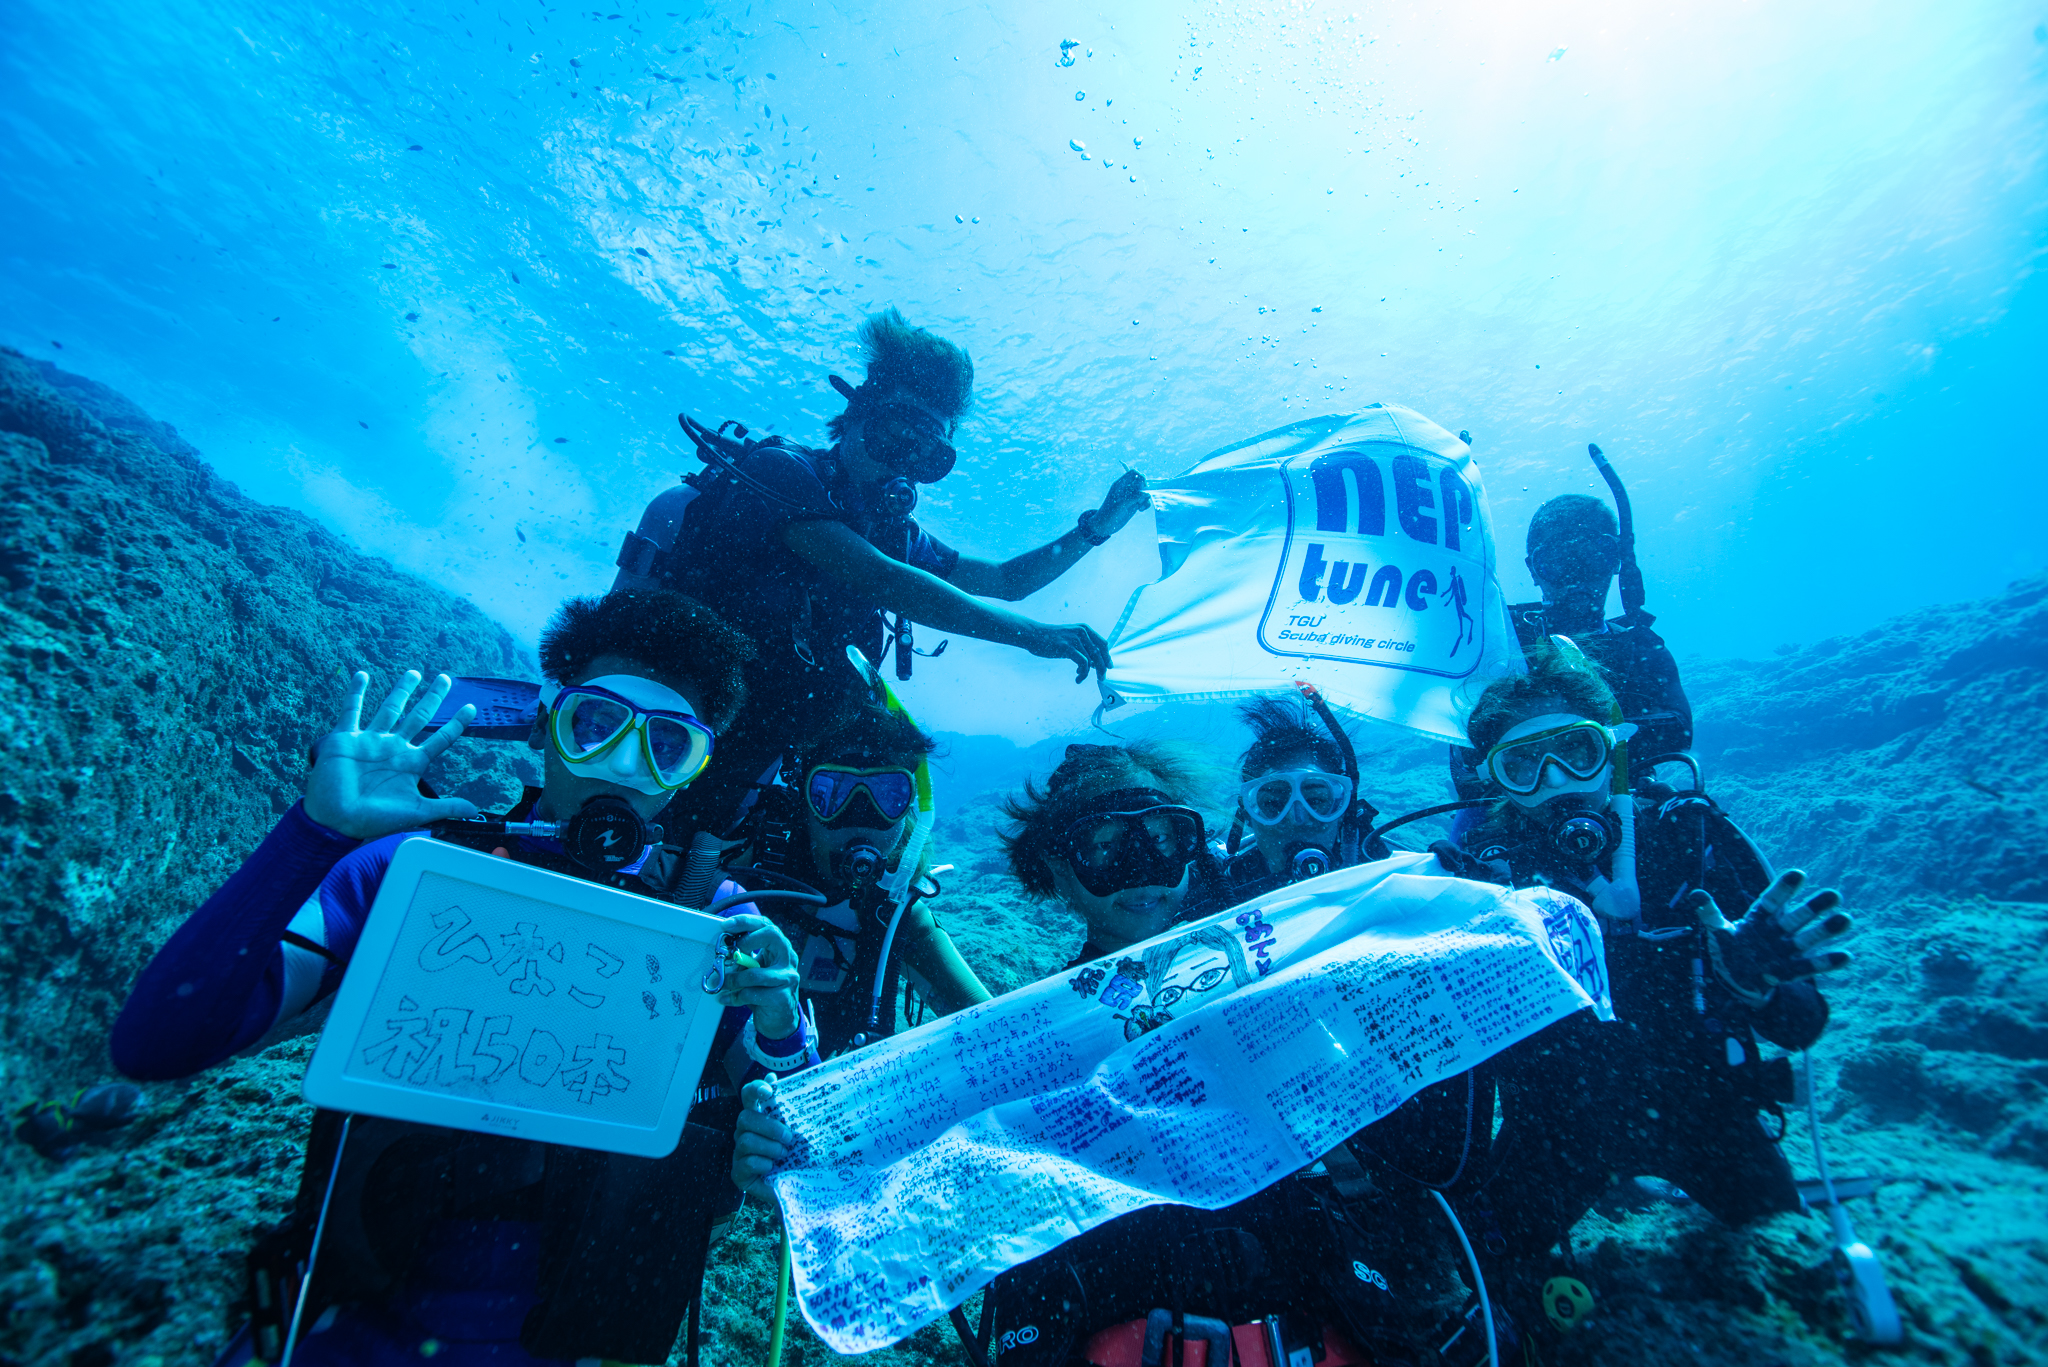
point(500, 998)
point(1195, 1068)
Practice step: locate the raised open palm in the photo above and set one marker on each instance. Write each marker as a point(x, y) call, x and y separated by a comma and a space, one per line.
point(365, 778)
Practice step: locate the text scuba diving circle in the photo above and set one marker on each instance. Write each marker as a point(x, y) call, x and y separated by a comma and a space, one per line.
point(1017, 1338)
point(1368, 1275)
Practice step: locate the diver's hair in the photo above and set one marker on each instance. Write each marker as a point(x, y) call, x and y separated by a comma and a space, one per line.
point(1088, 772)
point(902, 357)
point(1553, 674)
point(1569, 516)
point(1281, 729)
point(867, 736)
point(1159, 959)
point(658, 628)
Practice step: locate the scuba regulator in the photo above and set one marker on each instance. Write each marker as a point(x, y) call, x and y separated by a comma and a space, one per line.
point(1306, 861)
point(603, 836)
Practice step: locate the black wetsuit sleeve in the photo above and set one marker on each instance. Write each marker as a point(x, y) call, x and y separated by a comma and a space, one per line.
point(930, 554)
point(210, 991)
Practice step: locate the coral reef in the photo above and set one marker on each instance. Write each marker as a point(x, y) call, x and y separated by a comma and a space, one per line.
point(172, 648)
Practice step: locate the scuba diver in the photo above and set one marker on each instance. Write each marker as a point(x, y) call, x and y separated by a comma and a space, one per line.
point(1114, 835)
point(812, 551)
point(496, 1249)
point(1298, 797)
point(1676, 1087)
point(844, 826)
point(1304, 1270)
point(1576, 547)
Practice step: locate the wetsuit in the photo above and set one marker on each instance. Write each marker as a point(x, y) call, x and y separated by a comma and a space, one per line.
point(730, 556)
point(1674, 1086)
point(501, 1250)
point(1637, 666)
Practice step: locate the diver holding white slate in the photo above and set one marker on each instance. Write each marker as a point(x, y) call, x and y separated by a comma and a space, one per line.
point(524, 1161)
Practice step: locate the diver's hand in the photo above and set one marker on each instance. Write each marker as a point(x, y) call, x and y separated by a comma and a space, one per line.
point(769, 988)
point(1076, 641)
point(1781, 940)
point(760, 1140)
point(1120, 504)
point(365, 779)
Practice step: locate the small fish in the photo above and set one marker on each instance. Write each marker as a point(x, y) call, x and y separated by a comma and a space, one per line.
point(360, 423)
point(642, 251)
point(389, 265)
point(561, 441)
point(410, 318)
point(1985, 789)
point(57, 344)
point(522, 541)
point(415, 148)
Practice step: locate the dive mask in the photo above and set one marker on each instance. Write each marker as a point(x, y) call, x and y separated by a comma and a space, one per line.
point(831, 789)
point(913, 441)
point(588, 722)
point(1323, 795)
point(1133, 838)
point(1579, 746)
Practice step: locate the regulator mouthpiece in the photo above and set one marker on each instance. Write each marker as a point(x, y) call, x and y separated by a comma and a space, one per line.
point(856, 866)
point(1309, 862)
point(606, 834)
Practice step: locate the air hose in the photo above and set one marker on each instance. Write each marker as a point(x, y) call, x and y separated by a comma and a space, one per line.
point(781, 1314)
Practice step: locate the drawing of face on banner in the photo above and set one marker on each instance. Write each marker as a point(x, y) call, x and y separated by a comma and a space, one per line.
point(1179, 975)
point(1384, 561)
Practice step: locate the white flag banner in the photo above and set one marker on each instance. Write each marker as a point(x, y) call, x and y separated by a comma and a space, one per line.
point(1353, 552)
point(1196, 1068)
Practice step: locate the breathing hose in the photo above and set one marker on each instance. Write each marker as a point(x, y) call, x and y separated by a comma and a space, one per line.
point(1478, 1278)
point(781, 1316)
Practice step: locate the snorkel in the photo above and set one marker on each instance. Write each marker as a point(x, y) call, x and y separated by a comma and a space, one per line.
point(1631, 573)
point(1359, 814)
point(898, 884)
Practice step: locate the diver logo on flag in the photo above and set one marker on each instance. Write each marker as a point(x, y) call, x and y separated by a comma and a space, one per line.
point(1353, 552)
point(1357, 585)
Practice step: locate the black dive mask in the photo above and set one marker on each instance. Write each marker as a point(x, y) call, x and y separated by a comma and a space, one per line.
point(606, 834)
point(909, 440)
point(1133, 839)
point(1307, 861)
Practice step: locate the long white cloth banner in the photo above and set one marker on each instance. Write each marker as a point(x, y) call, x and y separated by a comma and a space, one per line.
point(1196, 1068)
point(1354, 552)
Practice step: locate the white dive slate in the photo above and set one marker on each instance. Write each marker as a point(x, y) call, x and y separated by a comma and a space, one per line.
point(489, 995)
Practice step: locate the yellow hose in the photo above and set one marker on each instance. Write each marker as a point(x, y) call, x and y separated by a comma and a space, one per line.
point(781, 1304)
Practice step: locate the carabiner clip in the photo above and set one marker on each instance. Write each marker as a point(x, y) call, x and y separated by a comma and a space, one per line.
point(728, 955)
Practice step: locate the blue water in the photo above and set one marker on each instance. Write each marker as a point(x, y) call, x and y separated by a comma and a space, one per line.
point(443, 274)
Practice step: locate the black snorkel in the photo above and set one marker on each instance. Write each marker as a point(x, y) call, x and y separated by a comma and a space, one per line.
point(1351, 831)
point(1631, 573)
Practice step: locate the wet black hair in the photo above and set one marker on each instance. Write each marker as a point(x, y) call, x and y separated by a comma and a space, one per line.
point(1568, 517)
point(1281, 729)
point(658, 628)
point(1087, 773)
point(904, 358)
point(1566, 676)
point(867, 736)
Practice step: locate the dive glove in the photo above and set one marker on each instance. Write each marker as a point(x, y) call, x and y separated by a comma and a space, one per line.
point(1782, 938)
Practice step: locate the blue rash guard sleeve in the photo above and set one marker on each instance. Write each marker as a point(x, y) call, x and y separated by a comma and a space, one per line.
point(215, 986)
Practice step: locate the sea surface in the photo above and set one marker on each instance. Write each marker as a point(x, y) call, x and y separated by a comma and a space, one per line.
point(443, 274)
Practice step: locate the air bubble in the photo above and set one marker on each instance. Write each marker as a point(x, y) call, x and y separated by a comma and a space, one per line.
point(1077, 144)
point(1080, 94)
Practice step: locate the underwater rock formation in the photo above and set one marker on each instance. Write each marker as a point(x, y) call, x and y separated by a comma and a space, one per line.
point(171, 649)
